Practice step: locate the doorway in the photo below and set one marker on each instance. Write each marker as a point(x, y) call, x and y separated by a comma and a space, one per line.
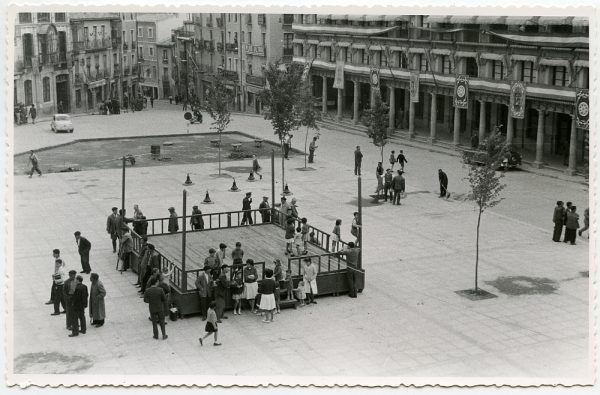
point(62, 93)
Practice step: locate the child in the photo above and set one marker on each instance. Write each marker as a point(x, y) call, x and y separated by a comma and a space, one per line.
point(236, 292)
point(336, 235)
point(305, 235)
point(289, 237)
point(256, 166)
point(267, 298)
point(277, 276)
point(211, 324)
point(299, 292)
point(289, 285)
point(298, 240)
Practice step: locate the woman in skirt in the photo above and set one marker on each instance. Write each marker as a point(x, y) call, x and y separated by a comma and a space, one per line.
point(267, 299)
point(250, 284)
point(211, 324)
point(237, 288)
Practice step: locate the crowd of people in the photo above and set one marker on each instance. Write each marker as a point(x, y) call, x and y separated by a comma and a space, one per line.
point(568, 217)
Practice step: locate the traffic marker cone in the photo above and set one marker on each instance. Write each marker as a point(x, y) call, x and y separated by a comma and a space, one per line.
point(207, 199)
point(286, 191)
point(234, 187)
point(251, 176)
point(188, 181)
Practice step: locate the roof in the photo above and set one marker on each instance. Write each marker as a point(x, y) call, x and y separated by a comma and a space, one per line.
point(154, 17)
point(165, 42)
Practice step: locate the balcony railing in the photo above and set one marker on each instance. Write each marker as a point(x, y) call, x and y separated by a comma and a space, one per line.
point(262, 20)
point(255, 80)
point(220, 47)
point(90, 45)
point(49, 58)
point(259, 50)
point(229, 75)
point(209, 45)
point(184, 33)
point(116, 41)
point(231, 47)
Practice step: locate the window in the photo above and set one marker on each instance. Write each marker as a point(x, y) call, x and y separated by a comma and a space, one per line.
point(498, 70)
point(250, 68)
point(165, 55)
point(154, 72)
point(150, 32)
point(43, 17)
point(242, 36)
point(102, 30)
point(403, 61)
point(526, 71)
point(95, 32)
point(104, 62)
point(424, 63)
point(165, 73)
point(140, 52)
point(446, 65)
point(228, 36)
point(151, 51)
point(559, 76)
point(24, 17)
point(124, 61)
point(131, 38)
point(250, 38)
point(78, 98)
point(46, 89)
point(235, 17)
point(86, 33)
point(383, 60)
point(229, 59)
point(332, 54)
point(236, 64)
point(471, 67)
point(27, 49)
point(28, 93)
point(228, 17)
point(264, 39)
point(366, 59)
point(60, 17)
point(348, 55)
point(140, 32)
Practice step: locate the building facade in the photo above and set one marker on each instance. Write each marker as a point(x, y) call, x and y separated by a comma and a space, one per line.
point(549, 55)
point(42, 61)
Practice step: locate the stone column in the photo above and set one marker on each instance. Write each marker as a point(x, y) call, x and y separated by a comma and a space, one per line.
point(426, 109)
point(447, 109)
point(406, 108)
point(469, 121)
point(539, 146)
point(456, 140)
point(482, 117)
point(433, 119)
point(356, 99)
point(372, 97)
point(392, 113)
point(324, 96)
point(340, 102)
point(573, 149)
point(411, 120)
point(509, 128)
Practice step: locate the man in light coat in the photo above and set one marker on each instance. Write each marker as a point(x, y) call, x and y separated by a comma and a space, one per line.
point(97, 294)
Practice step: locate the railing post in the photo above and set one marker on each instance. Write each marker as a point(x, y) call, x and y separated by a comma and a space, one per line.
point(183, 237)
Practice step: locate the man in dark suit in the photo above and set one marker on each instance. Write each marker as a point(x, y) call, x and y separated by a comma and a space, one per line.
point(69, 287)
point(397, 187)
point(558, 219)
point(203, 283)
point(352, 254)
point(155, 297)
point(84, 247)
point(247, 217)
point(443, 183)
point(112, 227)
point(79, 302)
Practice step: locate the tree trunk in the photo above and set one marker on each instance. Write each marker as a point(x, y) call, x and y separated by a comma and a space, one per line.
point(305, 143)
point(282, 168)
point(477, 251)
point(381, 155)
point(220, 153)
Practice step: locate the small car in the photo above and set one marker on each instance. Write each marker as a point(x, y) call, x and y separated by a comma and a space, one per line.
point(511, 160)
point(61, 123)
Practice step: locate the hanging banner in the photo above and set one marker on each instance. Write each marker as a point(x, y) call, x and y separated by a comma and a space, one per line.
point(582, 108)
point(414, 87)
point(306, 70)
point(461, 91)
point(338, 82)
point(374, 78)
point(517, 100)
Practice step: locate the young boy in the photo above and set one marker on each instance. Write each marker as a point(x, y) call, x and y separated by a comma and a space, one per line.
point(304, 230)
point(289, 237)
point(299, 240)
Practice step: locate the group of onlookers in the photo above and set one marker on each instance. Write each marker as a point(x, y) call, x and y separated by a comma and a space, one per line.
point(569, 218)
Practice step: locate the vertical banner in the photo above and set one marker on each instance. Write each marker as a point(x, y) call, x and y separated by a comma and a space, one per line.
point(517, 100)
point(414, 87)
point(461, 91)
point(374, 78)
point(582, 109)
point(306, 70)
point(338, 82)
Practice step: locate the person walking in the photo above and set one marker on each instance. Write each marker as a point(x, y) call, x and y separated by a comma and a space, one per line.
point(112, 227)
point(586, 221)
point(255, 166)
point(58, 279)
point(155, 297)
point(392, 159)
point(211, 326)
point(379, 176)
point(352, 254)
point(443, 178)
point(173, 224)
point(397, 188)
point(311, 150)
point(152, 101)
point(59, 108)
point(33, 113)
point(246, 202)
point(571, 225)
point(558, 219)
point(357, 160)
point(222, 285)
point(83, 247)
point(336, 235)
point(310, 281)
point(387, 185)
point(196, 219)
point(265, 210)
point(250, 284)
point(287, 145)
point(125, 249)
point(35, 164)
point(79, 302)
point(203, 282)
point(68, 290)
point(97, 294)
point(401, 160)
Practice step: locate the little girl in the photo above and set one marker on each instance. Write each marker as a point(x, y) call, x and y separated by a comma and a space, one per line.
point(267, 298)
point(299, 292)
point(211, 324)
point(236, 292)
point(298, 240)
point(336, 235)
point(289, 284)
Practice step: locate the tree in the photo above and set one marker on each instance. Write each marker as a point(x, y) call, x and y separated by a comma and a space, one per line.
point(485, 182)
point(308, 115)
point(376, 119)
point(216, 105)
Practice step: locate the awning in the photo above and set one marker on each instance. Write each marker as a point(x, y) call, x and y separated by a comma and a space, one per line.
point(416, 50)
point(464, 19)
point(344, 29)
point(437, 19)
point(298, 41)
point(466, 54)
point(580, 21)
point(555, 62)
point(356, 18)
point(375, 48)
point(524, 58)
point(555, 20)
point(396, 18)
point(521, 20)
point(374, 18)
point(545, 40)
point(358, 46)
point(441, 51)
point(313, 41)
point(343, 44)
point(491, 56)
point(581, 63)
point(324, 44)
point(490, 20)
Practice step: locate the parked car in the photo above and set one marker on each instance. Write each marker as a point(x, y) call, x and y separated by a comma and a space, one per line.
point(511, 160)
point(61, 123)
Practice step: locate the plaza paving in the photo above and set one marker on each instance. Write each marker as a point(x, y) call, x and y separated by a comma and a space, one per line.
point(408, 322)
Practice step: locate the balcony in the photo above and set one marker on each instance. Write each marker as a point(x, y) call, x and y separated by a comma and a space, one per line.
point(116, 42)
point(255, 80)
point(288, 19)
point(220, 47)
point(165, 60)
point(116, 69)
point(49, 58)
point(231, 47)
point(258, 50)
point(78, 79)
point(229, 75)
point(209, 46)
point(125, 46)
point(92, 45)
point(181, 33)
point(248, 19)
point(126, 71)
point(219, 22)
point(262, 20)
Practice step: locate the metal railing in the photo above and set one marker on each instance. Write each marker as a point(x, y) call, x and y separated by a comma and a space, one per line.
point(101, 43)
point(334, 262)
point(255, 80)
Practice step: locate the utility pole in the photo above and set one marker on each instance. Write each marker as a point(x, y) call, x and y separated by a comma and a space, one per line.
point(183, 236)
point(123, 189)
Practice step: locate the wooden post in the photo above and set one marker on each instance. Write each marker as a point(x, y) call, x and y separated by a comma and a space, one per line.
point(183, 234)
point(272, 180)
point(360, 243)
point(123, 189)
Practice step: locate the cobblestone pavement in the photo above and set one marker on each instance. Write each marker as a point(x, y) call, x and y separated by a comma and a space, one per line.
point(408, 323)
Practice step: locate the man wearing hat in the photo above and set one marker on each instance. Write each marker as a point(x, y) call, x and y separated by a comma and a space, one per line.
point(284, 209)
point(152, 263)
point(112, 227)
point(173, 225)
point(203, 282)
point(196, 219)
point(79, 302)
point(83, 247)
point(126, 248)
point(293, 210)
point(246, 208)
point(68, 290)
point(265, 210)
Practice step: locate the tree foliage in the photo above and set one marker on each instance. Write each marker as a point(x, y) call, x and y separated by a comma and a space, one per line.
point(377, 121)
point(216, 104)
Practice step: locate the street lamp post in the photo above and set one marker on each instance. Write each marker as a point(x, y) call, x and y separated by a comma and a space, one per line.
point(123, 189)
